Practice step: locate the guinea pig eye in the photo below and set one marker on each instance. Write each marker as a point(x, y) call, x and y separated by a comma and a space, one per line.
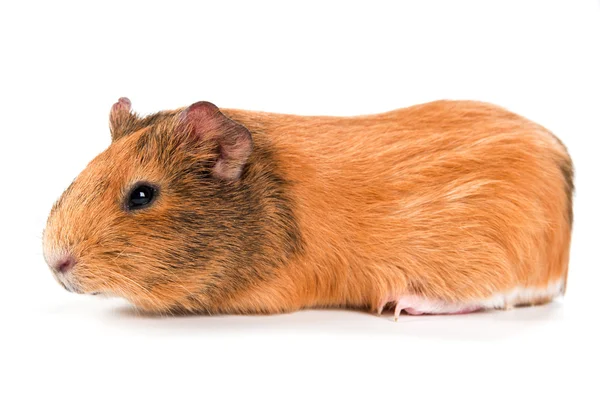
point(141, 196)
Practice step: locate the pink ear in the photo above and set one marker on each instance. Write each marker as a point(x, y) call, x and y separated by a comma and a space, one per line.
point(234, 140)
point(122, 105)
point(119, 114)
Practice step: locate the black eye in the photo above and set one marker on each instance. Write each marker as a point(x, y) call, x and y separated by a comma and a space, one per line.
point(140, 197)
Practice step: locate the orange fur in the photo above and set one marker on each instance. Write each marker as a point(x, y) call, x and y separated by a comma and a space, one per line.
point(451, 200)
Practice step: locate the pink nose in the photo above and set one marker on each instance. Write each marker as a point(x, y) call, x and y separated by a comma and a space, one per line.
point(64, 264)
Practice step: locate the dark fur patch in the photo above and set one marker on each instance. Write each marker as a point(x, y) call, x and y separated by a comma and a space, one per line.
point(134, 123)
point(236, 232)
point(566, 167)
point(568, 172)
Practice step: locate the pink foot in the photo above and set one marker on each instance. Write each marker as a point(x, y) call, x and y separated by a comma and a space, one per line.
point(463, 311)
point(397, 311)
point(414, 305)
point(412, 311)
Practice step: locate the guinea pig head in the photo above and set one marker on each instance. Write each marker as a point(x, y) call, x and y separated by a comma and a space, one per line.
point(178, 213)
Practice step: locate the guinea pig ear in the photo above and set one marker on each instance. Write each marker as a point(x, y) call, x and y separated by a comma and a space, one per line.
point(120, 117)
point(234, 140)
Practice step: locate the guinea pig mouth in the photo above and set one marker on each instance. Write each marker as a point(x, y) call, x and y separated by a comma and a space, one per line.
point(72, 288)
point(67, 284)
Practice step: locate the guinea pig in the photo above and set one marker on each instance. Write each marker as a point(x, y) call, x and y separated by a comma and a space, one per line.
point(440, 208)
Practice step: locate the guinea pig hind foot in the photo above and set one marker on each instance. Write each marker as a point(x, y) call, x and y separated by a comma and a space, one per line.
point(414, 305)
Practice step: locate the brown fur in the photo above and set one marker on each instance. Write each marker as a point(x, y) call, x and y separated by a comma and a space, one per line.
point(450, 200)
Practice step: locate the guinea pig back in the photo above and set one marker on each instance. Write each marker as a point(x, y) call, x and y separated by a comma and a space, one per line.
point(445, 207)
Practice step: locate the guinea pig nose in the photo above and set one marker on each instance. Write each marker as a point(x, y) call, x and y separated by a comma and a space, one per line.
point(64, 263)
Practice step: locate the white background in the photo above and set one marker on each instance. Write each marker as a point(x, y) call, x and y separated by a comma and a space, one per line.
point(62, 65)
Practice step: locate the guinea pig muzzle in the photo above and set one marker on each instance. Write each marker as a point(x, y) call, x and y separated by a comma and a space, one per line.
point(62, 266)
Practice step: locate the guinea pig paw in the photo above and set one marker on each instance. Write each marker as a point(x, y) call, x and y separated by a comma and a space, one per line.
point(397, 310)
point(401, 304)
point(406, 305)
point(381, 307)
point(383, 304)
